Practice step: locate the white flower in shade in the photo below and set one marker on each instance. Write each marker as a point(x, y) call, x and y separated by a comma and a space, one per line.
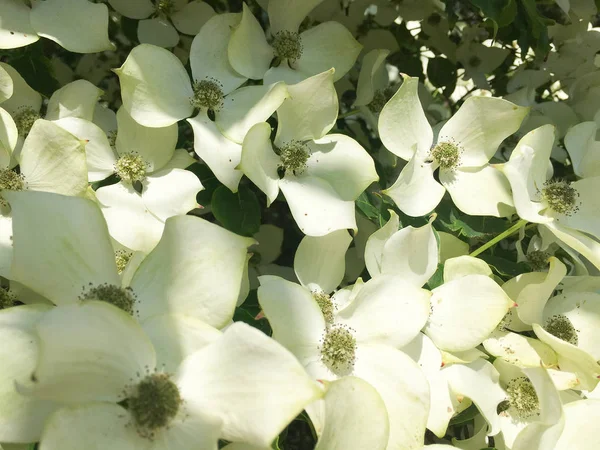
point(297, 55)
point(461, 152)
point(240, 385)
point(411, 253)
point(322, 174)
point(195, 270)
point(357, 332)
point(568, 210)
point(479, 60)
point(581, 426)
point(582, 146)
point(162, 19)
point(531, 417)
point(78, 26)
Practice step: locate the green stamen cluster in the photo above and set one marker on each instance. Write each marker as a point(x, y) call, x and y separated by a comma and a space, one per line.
point(207, 94)
point(294, 156)
point(561, 327)
point(10, 181)
point(7, 299)
point(561, 197)
point(338, 350)
point(131, 167)
point(25, 119)
point(522, 397)
point(122, 259)
point(155, 403)
point(287, 45)
point(538, 260)
point(165, 7)
point(122, 298)
point(380, 99)
point(112, 138)
point(446, 154)
point(326, 305)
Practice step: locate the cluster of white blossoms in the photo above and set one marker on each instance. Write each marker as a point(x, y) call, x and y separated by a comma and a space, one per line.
point(267, 231)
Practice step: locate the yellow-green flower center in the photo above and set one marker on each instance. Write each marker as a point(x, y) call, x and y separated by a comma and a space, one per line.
point(122, 259)
point(287, 45)
point(561, 197)
point(207, 94)
point(380, 98)
point(154, 403)
point(122, 298)
point(338, 350)
point(561, 327)
point(326, 305)
point(538, 260)
point(294, 156)
point(446, 154)
point(10, 181)
point(7, 298)
point(24, 120)
point(165, 7)
point(522, 397)
point(131, 167)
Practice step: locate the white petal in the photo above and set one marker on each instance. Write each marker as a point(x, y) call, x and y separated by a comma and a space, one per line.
point(23, 96)
point(9, 136)
point(53, 160)
point(249, 52)
point(460, 321)
point(60, 258)
point(461, 266)
point(247, 106)
point(479, 381)
point(191, 428)
point(268, 390)
point(270, 239)
point(129, 221)
point(482, 191)
point(581, 144)
point(157, 31)
point(585, 218)
point(171, 192)
point(91, 425)
point(21, 418)
point(15, 29)
point(355, 417)
point(287, 15)
point(403, 127)
point(317, 208)
point(310, 111)
point(416, 192)
point(6, 85)
point(451, 246)
point(6, 246)
point(376, 243)
point(328, 45)
point(259, 162)
point(192, 17)
point(155, 87)
point(196, 270)
point(76, 99)
point(284, 73)
point(90, 352)
point(134, 9)
point(581, 426)
point(100, 157)
point(319, 261)
point(343, 163)
point(176, 336)
point(582, 243)
point(294, 315)
point(372, 63)
point(208, 55)
point(412, 254)
point(403, 388)
point(480, 125)
point(519, 350)
point(78, 26)
point(387, 310)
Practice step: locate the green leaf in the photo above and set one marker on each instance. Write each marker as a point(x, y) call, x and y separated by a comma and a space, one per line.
point(209, 181)
point(437, 278)
point(365, 205)
point(502, 12)
point(441, 72)
point(467, 415)
point(238, 212)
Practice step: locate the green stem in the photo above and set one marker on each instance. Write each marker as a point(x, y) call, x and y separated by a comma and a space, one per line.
point(521, 223)
point(348, 113)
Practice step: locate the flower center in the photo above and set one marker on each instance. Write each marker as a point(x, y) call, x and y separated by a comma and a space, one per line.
point(122, 259)
point(294, 156)
point(446, 154)
point(338, 350)
point(287, 45)
point(538, 260)
point(131, 167)
point(561, 327)
point(522, 397)
point(155, 402)
point(165, 7)
point(561, 197)
point(380, 98)
point(122, 298)
point(207, 94)
point(326, 305)
point(7, 299)
point(25, 119)
point(10, 181)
